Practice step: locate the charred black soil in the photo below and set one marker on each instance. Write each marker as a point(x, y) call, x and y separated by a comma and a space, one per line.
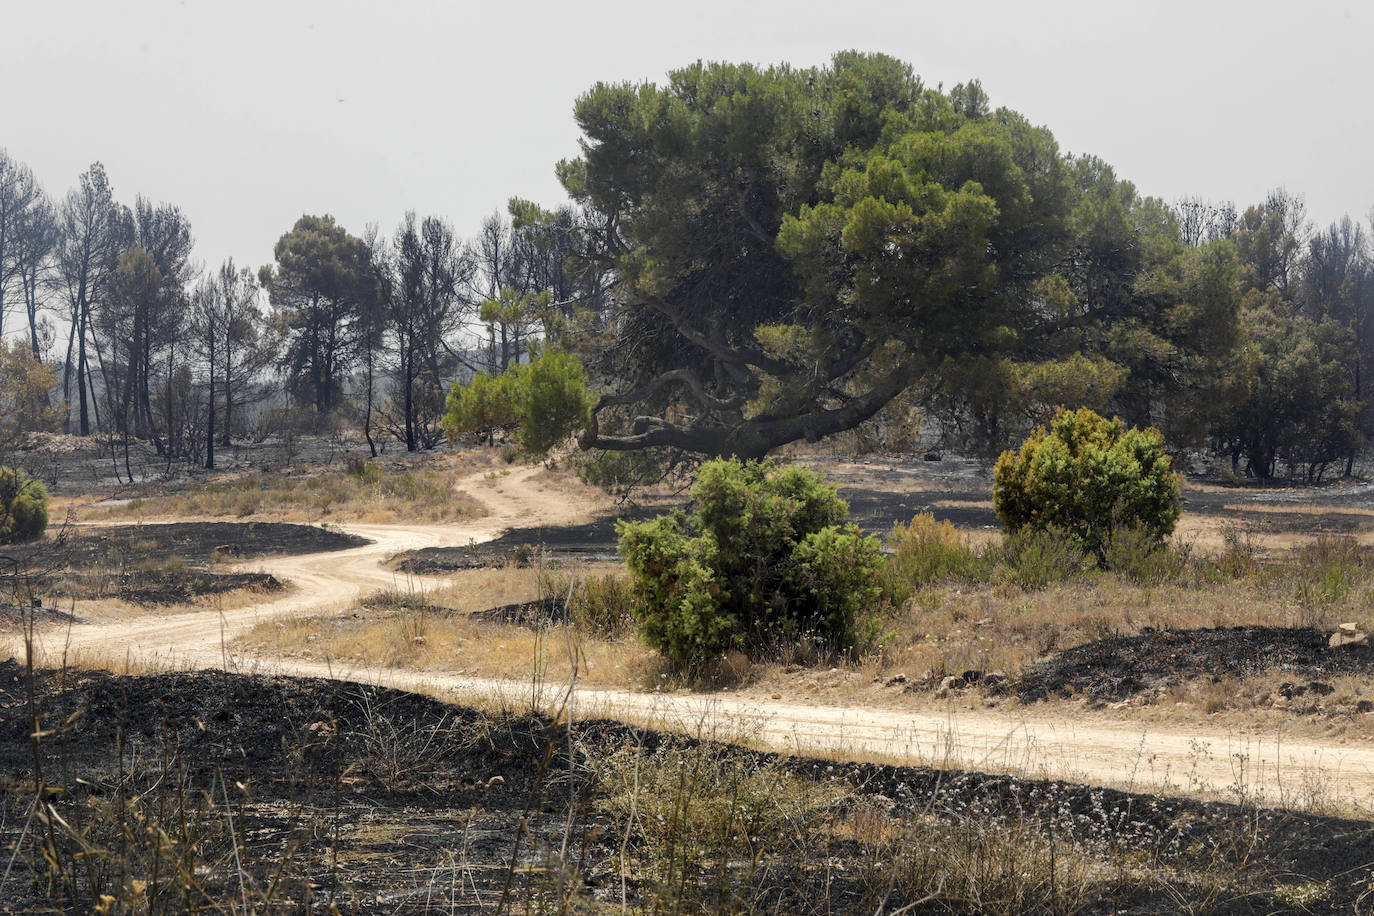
point(1123, 666)
point(874, 511)
point(381, 801)
point(195, 542)
point(161, 564)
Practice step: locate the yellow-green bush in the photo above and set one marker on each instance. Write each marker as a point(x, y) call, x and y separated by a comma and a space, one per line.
point(927, 551)
point(1088, 476)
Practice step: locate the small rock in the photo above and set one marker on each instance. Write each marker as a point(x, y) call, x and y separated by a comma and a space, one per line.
point(1348, 634)
point(777, 696)
point(734, 663)
point(949, 683)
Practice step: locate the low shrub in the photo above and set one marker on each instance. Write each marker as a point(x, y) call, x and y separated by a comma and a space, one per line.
point(603, 606)
point(1033, 558)
point(1135, 554)
point(23, 507)
point(763, 561)
point(364, 470)
point(599, 605)
point(1087, 476)
point(618, 472)
point(927, 551)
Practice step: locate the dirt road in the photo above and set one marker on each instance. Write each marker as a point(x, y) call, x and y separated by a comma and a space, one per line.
point(1026, 740)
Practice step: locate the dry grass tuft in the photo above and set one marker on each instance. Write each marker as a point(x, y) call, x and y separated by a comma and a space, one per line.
point(437, 631)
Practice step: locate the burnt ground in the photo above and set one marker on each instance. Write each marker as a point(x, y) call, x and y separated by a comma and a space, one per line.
point(1123, 666)
point(959, 491)
point(874, 511)
point(390, 802)
point(595, 540)
point(165, 563)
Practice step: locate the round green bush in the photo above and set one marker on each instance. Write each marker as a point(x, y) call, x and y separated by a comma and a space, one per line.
point(764, 560)
point(1088, 477)
point(23, 507)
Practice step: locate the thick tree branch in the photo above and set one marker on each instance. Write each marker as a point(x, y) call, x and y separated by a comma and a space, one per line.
point(734, 356)
point(754, 438)
point(683, 376)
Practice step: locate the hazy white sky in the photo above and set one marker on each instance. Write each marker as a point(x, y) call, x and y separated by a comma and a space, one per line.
point(248, 114)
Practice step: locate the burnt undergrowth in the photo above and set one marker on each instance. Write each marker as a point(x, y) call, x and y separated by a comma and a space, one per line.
point(190, 791)
point(166, 564)
point(1120, 667)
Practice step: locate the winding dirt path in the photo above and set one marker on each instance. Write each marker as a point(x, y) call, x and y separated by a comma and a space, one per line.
point(1181, 759)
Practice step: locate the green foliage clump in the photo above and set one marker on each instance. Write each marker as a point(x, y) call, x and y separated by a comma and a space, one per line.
point(23, 507)
point(545, 401)
point(552, 400)
point(621, 472)
point(481, 407)
point(368, 472)
point(764, 561)
point(1088, 477)
point(1034, 558)
point(26, 384)
point(928, 551)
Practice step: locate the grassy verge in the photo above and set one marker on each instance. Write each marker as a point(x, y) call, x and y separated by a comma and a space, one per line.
point(452, 629)
point(363, 491)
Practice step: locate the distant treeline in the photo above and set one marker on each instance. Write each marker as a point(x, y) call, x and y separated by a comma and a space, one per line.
point(751, 257)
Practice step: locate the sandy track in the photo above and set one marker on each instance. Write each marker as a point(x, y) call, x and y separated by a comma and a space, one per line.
point(1028, 741)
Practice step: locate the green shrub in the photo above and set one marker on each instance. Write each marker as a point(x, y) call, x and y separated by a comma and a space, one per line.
point(481, 407)
point(23, 507)
point(601, 605)
point(553, 401)
point(1088, 476)
point(1034, 558)
point(604, 606)
point(927, 551)
point(1136, 555)
point(618, 472)
point(367, 471)
point(764, 561)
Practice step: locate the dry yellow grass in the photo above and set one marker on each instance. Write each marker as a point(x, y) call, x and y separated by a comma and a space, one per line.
point(951, 628)
point(379, 494)
point(437, 631)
